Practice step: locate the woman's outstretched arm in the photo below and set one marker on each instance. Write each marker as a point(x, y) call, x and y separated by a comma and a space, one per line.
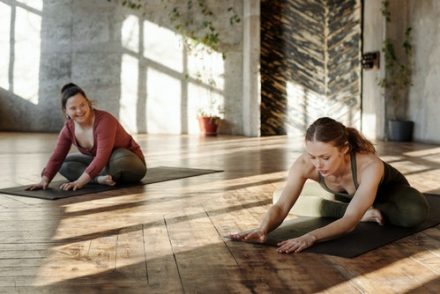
point(55, 161)
point(276, 214)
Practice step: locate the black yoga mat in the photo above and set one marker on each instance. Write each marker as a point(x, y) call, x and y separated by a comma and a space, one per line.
point(154, 175)
point(366, 236)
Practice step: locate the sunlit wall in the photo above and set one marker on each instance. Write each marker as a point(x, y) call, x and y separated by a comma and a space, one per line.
point(181, 80)
point(164, 66)
point(20, 29)
point(129, 73)
point(5, 29)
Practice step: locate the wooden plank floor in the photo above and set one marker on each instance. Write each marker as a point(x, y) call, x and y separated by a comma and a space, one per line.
point(167, 237)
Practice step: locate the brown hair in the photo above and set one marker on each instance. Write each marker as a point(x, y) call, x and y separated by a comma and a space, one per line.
point(69, 90)
point(328, 130)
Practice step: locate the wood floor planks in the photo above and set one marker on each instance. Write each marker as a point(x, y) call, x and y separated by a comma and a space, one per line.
point(162, 269)
point(130, 254)
point(169, 237)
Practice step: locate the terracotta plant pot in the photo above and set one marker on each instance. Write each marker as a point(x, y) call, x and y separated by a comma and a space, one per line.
point(208, 125)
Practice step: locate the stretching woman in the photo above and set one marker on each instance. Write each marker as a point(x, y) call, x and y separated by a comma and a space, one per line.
point(109, 155)
point(365, 188)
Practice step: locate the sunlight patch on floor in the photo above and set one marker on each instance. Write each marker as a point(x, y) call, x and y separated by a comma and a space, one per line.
point(424, 153)
point(228, 184)
point(398, 277)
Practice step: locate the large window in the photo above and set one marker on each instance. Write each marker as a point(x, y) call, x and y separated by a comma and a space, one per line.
point(20, 49)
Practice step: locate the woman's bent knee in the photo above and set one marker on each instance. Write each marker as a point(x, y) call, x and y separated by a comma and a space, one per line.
point(126, 167)
point(72, 170)
point(413, 208)
point(415, 214)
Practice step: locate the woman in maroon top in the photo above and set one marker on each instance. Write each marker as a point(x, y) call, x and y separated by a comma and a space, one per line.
point(108, 154)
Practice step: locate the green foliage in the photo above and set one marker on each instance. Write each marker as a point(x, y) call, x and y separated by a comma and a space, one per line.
point(386, 11)
point(183, 20)
point(398, 76)
point(132, 4)
point(398, 71)
point(213, 109)
point(204, 31)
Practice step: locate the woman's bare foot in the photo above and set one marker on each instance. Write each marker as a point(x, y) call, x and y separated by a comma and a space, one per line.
point(105, 180)
point(373, 215)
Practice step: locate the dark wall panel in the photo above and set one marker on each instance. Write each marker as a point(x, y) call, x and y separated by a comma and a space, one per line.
point(309, 63)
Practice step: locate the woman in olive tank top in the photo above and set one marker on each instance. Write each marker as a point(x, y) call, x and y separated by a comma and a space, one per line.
point(363, 188)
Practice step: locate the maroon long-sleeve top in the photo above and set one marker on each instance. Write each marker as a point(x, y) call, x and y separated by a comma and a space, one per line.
point(108, 134)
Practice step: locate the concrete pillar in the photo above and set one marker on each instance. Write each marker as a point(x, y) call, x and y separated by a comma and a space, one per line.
point(251, 68)
point(373, 104)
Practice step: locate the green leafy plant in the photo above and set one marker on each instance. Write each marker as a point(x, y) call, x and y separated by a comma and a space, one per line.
point(398, 74)
point(132, 4)
point(213, 108)
point(195, 30)
point(211, 105)
point(198, 31)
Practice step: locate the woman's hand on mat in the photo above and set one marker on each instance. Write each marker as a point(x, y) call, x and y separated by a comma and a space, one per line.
point(78, 184)
point(42, 185)
point(253, 235)
point(71, 186)
point(297, 244)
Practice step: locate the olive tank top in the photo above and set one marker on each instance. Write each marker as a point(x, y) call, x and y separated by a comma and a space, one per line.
point(391, 176)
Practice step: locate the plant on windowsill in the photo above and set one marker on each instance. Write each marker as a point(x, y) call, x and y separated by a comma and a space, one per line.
point(209, 124)
point(210, 116)
point(396, 83)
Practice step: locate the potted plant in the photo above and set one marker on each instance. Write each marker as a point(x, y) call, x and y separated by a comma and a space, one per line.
point(206, 77)
point(209, 124)
point(209, 118)
point(396, 83)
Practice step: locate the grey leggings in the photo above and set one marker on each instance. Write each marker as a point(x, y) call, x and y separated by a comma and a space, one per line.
point(400, 205)
point(124, 166)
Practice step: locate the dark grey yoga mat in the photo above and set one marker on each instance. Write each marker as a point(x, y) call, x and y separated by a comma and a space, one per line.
point(366, 236)
point(154, 175)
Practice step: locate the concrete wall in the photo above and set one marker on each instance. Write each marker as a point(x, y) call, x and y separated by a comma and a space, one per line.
point(130, 63)
point(423, 102)
point(424, 98)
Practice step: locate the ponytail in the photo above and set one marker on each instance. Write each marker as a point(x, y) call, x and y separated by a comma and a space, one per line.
point(328, 130)
point(358, 142)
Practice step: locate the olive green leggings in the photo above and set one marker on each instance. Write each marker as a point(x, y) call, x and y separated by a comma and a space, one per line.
point(124, 166)
point(400, 205)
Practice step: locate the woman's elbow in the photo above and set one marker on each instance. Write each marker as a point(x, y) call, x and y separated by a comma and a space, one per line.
point(350, 229)
point(351, 223)
point(279, 210)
